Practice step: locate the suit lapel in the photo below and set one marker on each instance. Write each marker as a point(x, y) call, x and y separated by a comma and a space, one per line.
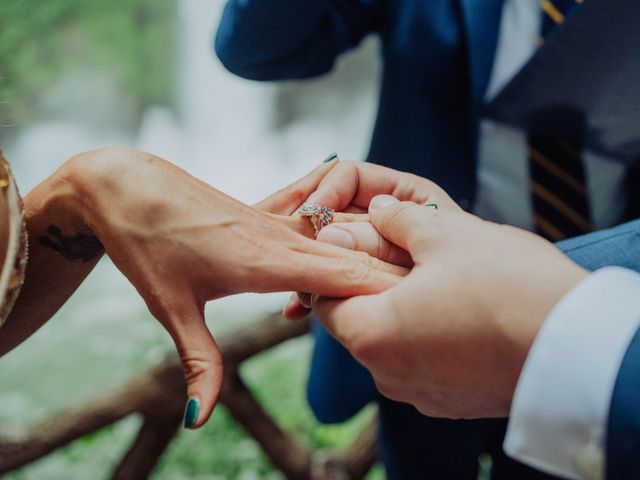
point(481, 19)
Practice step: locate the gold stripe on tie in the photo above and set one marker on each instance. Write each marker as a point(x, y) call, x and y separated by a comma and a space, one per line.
point(571, 150)
point(561, 206)
point(552, 233)
point(556, 171)
point(550, 9)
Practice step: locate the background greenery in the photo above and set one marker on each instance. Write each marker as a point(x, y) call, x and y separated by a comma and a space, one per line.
point(74, 358)
point(133, 43)
point(221, 449)
point(40, 40)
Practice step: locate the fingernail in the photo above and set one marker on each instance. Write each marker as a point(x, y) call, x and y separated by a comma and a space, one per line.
point(333, 156)
point(292, 299)
point(381, 201)
point(304, 299)
point(191, 412)
point(336, 236)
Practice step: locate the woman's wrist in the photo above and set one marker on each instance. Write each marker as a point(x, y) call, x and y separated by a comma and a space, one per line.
point(98, 181)
point(60, 213)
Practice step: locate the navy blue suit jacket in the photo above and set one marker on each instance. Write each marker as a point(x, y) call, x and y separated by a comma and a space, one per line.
point(617, 246)
point(437, 59)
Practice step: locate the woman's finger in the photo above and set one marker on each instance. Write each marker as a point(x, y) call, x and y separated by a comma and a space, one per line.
point(201, 359)
point(365, 238)
point(353, 236)
point(329, 251)
point(303, 225)
point(338, 276)
point(289, 199)
point(295, 309)
point(304, 299)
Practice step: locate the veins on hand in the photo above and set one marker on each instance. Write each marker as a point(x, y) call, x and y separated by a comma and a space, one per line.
point(79, 247)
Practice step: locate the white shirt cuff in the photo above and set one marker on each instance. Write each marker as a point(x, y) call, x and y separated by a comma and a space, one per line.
point(561, 403)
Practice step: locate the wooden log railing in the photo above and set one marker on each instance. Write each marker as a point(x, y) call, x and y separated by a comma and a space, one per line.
point(158, 395)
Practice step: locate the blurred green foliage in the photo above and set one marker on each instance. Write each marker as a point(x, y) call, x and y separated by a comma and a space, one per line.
point(221, 449)
point(132, 40)
point(277, 378)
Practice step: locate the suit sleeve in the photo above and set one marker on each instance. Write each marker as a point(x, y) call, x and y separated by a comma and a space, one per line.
point(291, 39)
point(560, 409)
point(623, 432)
point(338, 386)
point(618, 246)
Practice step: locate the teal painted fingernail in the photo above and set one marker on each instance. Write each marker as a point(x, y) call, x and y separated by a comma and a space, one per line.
point(333, 156)
point(191, 412)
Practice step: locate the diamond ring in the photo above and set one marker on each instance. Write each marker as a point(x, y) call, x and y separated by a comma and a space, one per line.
point(319, 216)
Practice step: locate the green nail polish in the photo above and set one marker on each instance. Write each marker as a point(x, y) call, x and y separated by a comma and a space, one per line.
point(191, 412)
point(333, 156)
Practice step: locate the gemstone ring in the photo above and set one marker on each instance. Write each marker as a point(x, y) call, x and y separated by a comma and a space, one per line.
point(319, 216)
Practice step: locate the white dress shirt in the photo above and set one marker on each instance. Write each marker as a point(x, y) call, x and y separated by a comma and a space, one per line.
point(559, 412)
point(560, 408)
point(503, 170)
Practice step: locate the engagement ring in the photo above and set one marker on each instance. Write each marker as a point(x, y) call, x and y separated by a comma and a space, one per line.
point(318, 215)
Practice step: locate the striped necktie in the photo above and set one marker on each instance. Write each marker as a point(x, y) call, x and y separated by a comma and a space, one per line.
point(559, 194)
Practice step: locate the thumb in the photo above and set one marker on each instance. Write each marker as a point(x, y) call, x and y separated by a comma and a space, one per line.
point(200, 357)
point(406, 224)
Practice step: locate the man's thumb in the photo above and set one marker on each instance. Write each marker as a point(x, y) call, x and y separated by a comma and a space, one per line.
point(402, 223)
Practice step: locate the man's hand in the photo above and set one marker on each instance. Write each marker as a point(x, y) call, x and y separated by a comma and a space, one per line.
point(349, 187)
point(452, 336)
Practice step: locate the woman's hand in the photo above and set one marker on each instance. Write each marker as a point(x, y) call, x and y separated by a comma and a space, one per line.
point(181, 243)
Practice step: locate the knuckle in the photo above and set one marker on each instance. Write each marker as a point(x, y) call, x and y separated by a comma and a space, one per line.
point(363, 349)
point(388, 390)
point(196, 364)
point(355, 271)
point(369, 347)
point(428, 409)
point(295, 194)
point(348, 165)
point(406, 187)
point(436, 409)
point(373, 262)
